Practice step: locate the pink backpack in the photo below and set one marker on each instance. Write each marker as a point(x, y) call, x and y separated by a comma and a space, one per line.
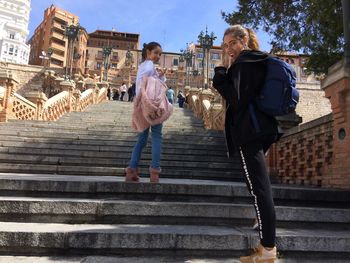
point(151, 106)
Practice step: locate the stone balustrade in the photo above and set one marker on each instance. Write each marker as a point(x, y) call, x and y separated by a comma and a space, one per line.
point(35, 105)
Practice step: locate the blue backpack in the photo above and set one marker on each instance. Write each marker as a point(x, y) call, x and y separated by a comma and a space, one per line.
point(278, 95)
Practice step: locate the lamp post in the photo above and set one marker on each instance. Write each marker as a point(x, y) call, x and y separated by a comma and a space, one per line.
point(129, 61)
point(106, 52)
point(346, 23)
point(72, 33)
point(206, 41)
point(186, 55)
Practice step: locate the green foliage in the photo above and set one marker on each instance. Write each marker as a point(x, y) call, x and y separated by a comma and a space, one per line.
point(313, 27)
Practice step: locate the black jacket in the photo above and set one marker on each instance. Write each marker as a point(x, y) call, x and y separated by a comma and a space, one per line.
point(239, 85)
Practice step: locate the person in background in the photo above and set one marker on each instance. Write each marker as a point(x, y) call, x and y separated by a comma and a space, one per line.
point(131, 92)
point(109, 93)
point(123, 90)
point(181, 99)
point(170, 95)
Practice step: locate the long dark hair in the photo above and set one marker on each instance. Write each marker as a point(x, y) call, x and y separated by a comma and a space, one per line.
point(150, 46)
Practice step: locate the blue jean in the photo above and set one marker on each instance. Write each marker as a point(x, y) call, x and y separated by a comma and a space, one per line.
point(142, 142)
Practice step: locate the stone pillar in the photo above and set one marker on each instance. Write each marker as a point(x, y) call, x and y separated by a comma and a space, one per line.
point(77, 95)
point(8, 82)
point(192, 92)
point(337, 89)
point(69, 86)
point(39, 98)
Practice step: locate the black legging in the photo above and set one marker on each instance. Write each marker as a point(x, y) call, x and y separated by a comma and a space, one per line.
point(258, 182)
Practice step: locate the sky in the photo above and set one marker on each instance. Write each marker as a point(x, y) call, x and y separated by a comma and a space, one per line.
point(172, 23)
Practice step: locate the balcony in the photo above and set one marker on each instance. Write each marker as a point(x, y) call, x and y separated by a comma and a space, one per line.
point(57, 57)
point(98, 57)
point(58, 26)
point(57, 46)
point(57, 35)
point(115, 59)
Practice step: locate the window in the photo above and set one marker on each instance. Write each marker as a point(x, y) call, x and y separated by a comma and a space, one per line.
point(12, 36)
point(11, 50)
point(98, 65)
point(175, 62)
point(215, 56)
point(200, 55)
point(199, 65)
point(16, 51)
point(212, 65)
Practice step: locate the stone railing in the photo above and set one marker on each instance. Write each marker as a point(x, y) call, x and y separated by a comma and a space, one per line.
point(304, 154)
point(23, 109)
point(207, 105)
point(35, 105)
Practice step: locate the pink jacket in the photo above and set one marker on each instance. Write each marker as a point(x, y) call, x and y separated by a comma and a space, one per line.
point(151, 106)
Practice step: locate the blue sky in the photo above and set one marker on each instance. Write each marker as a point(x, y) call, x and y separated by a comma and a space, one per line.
point(173, 23)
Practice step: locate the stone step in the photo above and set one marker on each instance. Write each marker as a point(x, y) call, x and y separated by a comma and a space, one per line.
point(122, 154)
point(112, 150)
point(108, 132)
point(117, 161)
point(109, 211)
point(167, 172)
point(320, 257)
point(127, 240)
point(48, 185)
point(172, 144)
point(113, 137)
point(108, 128)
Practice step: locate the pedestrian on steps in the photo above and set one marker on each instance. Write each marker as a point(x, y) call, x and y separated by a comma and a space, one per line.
point(151, 53)
point(239, 80)
point(123, 89)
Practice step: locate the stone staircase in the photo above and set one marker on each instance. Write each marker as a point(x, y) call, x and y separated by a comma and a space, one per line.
point(61, 193)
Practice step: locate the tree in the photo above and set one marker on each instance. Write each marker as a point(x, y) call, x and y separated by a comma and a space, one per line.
point(312, 27)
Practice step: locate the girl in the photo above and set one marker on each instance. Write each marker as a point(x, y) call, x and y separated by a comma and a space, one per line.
point(239, 85)
point(151, 53)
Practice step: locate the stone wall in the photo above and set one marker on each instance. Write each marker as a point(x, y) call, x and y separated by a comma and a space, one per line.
point(28, 76)
point(304, 154)
point(312, 103)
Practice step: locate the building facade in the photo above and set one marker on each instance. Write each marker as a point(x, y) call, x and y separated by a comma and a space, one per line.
point(122, 61)
point(14, 20)
point(50, 35)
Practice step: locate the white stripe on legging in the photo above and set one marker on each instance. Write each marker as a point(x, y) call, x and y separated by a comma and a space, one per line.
point(245, 168)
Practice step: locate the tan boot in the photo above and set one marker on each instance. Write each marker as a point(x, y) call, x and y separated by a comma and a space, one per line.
point(261, 255)
point(154, 175)
point(131, 175)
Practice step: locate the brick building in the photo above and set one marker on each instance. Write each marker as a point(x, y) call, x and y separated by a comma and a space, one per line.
point(50, 34)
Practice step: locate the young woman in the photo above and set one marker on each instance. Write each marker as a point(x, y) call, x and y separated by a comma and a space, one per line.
point(151, 53)
point(238, 81)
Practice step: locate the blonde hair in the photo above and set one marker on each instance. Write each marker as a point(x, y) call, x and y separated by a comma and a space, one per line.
point(238, 31)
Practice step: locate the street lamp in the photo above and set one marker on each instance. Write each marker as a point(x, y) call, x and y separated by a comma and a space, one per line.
point(129, 61)
point(186, 55)
point(206, 41)
point(346, 23)
point(72, 33)
point(46, 57)
point(106, 52)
